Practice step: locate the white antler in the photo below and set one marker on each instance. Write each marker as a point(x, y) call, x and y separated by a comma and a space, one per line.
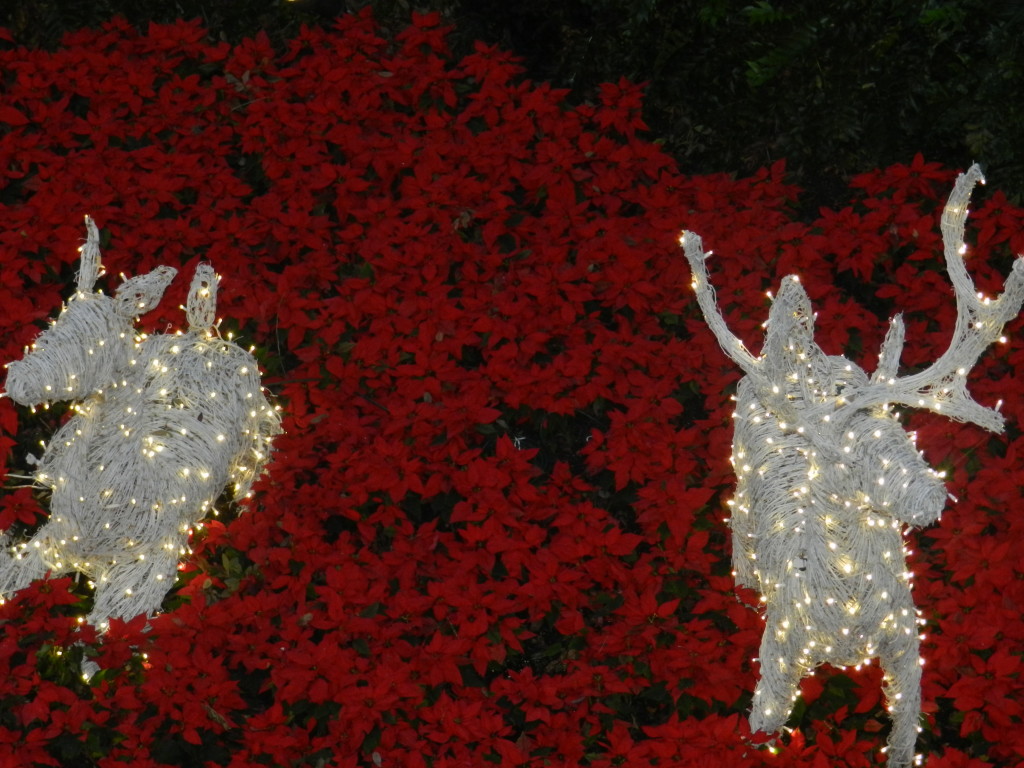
point(942, 386)
point(731, 345)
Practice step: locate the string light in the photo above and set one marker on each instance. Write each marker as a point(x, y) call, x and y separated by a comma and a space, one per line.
point(160, 426)
point(827, 481)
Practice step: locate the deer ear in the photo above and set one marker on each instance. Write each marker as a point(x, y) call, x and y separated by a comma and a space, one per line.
point(201, 309)
point(139, 294)
point(89, 264)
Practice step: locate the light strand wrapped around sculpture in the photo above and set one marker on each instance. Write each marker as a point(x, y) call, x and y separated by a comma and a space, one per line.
point(161, 425)
point(827, 481)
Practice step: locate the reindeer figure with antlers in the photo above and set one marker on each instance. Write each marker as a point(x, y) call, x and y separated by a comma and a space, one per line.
point(827, 479)
point(161, 425)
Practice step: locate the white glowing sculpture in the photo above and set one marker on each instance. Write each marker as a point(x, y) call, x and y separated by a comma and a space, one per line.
point(161, 425)
point(827, 480)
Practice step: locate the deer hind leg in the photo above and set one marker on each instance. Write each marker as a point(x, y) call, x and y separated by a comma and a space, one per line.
point(902, 666)
point(780, 678)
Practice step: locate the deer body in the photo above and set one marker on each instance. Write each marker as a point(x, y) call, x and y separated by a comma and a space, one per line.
point(828, 480)
point(821, 540)
point(161, 426)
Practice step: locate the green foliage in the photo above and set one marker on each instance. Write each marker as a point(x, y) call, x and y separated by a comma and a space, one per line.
point(834, 88)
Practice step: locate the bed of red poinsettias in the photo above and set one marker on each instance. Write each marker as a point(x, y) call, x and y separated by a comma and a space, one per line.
point(492, 533)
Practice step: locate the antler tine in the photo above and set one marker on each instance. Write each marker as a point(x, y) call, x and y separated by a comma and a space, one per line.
point(942, 386)
point(731, 344)
point(892, 348)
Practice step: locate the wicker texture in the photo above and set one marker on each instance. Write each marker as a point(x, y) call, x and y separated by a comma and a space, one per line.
point(161, 426)
point(828, 482)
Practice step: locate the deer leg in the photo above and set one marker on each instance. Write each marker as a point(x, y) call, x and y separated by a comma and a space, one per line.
point(128, 589)
point(780, 677)
point(902, 666)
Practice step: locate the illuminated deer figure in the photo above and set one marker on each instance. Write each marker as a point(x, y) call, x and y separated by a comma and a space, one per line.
point(161, 425)
point(827, 480)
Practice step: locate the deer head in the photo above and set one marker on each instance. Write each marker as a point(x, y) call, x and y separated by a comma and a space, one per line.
point(91, 341)
point(941, 387)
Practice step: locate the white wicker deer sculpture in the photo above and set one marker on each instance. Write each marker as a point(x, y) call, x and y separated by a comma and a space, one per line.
point(827, 480)
point(161, 425)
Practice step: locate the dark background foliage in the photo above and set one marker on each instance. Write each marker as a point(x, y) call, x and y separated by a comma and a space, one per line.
point(732, 85)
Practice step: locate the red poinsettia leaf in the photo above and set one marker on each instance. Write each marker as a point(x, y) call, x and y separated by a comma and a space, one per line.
point(12, 116)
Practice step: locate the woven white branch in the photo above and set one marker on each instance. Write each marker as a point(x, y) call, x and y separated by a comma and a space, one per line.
point(827, 480)
point(162, 424)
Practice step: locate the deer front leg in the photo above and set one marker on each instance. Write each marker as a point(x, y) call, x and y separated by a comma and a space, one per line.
point(126, 590)
point(780, 675)
point(901, 662)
